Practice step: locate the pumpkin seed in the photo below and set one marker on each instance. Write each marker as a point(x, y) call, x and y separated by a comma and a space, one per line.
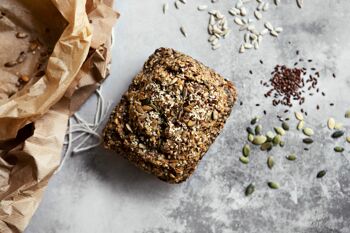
point(291, 157)
point(244, 160)
point(246, 150)
point(259, 140)
point(254, 120)
point(282, 143)
point(250, 189)
point(250, 137)
point(273, 185)
point(270, 162)
point(267, 146)
point(338, 126)
point(277, 139)
point(347, 114)
point(321, 174)
point(337, 134)
point(270, 135)
point(308, 132)
point(280, 131)
point(308, 140)
point(285, 126)
point(258, 129)
point(300, 125)
point(299, 116)
point(331, 123)
point(250, 130)
point(339, 149)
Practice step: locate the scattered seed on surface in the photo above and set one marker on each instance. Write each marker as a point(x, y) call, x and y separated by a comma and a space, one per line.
point(10, 64)
point(291, 157)
point(337, 134)
point(308, 140)
point(347, 114)
point(299, 116)
point(308, 132)
point(250, 137)
point(273, 185)
point(21, 35)
point(270, 162)
point(259, 140)
point(183, 32)
point(244, 159)
point(300, 125)
point(270, 135)
point(321, 174)
point(277, 139)
point(202, 7)
point(338, 126)
point(348, 139)
point(280, 131)
point(331, 123)
point(246, 150)
point(282, 144)
point(339, 149)
point(285, 126)
point(300, 3)
point(258, 129)
point(250, 130)
point(250, 189)
point(254, 120)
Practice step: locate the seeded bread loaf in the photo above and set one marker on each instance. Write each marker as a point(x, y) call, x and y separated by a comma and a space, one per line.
point(170, 115)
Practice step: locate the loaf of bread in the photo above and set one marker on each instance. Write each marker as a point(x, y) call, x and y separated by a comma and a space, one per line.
point(170, 115)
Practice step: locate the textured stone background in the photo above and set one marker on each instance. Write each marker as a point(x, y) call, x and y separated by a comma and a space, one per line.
point(100, 192)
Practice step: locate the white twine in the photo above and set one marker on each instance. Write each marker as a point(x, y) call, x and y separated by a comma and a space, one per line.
point(84, 130)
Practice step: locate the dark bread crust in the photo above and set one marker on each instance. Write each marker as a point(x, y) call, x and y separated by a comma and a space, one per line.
point(170, 115)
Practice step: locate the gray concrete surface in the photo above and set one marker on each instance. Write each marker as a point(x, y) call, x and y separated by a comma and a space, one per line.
point(99, 192)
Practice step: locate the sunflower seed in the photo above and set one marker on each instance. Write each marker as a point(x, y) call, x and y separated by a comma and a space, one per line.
point(267, 146)
point(250, 189)
point(258, 129)
point(280, 131)
point(244, 160)
point(337, 134)
point(291, 157)
point(339, 149)
point(321, 174)
point(270, 162)
point(308, 140)
point(21, 35)
point(254, 120)
point(259, 140)
point(331, 123)
point(300, 3)
point(276, 140)
point(273, 185)
point(308, 132)
point(202, 7)
point(246, 150)
point(347, 114)
point(300, 125)
point(183, 32)
point(299, 116)
point(285, 126)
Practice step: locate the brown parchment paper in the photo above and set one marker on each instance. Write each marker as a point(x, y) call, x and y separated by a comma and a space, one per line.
point(33, 121)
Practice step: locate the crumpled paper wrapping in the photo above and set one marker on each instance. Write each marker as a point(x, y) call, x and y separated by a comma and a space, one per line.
point(33, 121)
